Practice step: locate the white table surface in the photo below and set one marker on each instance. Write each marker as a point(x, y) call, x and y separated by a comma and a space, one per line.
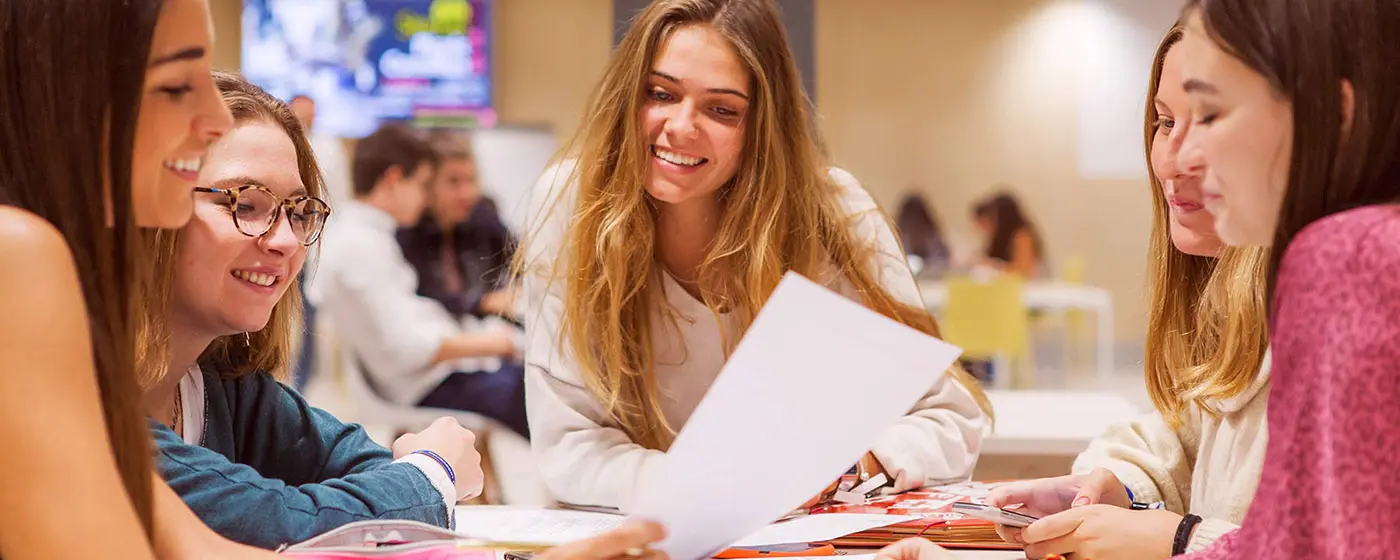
point(1052, 422)
point(1052, 296)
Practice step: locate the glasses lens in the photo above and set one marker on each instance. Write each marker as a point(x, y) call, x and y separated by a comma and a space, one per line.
point(255, 210)
point(308, 217)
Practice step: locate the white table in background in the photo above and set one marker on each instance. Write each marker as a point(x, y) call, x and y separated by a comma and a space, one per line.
point(1052, 422)
point(1052, 296)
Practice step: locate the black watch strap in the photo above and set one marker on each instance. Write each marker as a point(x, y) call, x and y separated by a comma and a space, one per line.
point(1183, 533)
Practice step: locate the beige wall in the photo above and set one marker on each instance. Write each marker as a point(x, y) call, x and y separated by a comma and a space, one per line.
point(951, 97)
point(548, 54)
point(228, 32)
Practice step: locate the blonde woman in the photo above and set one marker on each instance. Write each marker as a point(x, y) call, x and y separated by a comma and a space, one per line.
point(1202, 451)
point(694, 184)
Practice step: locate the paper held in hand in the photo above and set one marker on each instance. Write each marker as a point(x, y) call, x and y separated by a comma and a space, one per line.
point(767, 437)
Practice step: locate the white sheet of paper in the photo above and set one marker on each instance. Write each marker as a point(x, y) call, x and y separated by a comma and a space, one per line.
point(542, 526)
point(812, 385)
point(817, 528)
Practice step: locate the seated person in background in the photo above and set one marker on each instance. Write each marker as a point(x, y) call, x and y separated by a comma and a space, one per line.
point(921, 236)
point(1013, 246)
point(411, 348)
point(1202, 450)
point(651, 249)
point(460, 249)
point(252, 459)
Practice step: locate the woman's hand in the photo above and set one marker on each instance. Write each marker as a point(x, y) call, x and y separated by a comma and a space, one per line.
point(868, 465)
point(1104, 532)
point(1048, 496)
point(456, 445)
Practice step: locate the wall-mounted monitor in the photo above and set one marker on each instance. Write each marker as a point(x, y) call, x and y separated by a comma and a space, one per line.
point(366, 61)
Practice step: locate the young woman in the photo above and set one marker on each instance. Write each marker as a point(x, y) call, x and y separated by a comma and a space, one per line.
point(1202, 450)
point(78, 174)
point(247, 454)
point(1297, 116)
point(96, 136)
point(1013, 245)
point(696, 183)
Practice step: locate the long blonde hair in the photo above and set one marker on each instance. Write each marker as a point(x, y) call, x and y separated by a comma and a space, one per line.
point(269, 349)
point(781, 212)
point(1206, 335)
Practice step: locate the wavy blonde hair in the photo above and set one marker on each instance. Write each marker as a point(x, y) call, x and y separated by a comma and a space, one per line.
point(269, 349)
point(781, 212)
point(1206, 334)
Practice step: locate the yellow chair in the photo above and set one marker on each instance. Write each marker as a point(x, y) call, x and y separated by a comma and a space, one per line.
point(988, 320)
point(1072, 270)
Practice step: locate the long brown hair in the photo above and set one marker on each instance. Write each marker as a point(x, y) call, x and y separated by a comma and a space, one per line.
point(1206, 337)
point(1305, 49)
point(781, 212)
point(1009, 221)
point(73, 72)
point(270, 349)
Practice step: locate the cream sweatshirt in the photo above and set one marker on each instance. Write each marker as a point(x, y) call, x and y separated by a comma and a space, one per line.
point(586, 460)
point(1209, 466)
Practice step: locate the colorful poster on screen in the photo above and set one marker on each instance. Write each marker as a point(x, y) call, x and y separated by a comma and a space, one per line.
point(368, 61)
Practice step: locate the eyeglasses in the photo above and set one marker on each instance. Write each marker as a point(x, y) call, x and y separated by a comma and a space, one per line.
point(255, 211)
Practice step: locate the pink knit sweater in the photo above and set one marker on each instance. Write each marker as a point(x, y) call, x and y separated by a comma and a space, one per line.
point(1331, 481)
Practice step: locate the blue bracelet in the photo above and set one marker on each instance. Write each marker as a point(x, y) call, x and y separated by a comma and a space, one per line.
point(1130, 493)
point(434, 456)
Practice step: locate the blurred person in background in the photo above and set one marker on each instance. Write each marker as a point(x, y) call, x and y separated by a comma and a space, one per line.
point(411, 348)
point(922, 238)
point(460, 248)
point(330, 151)
point(1012, 243)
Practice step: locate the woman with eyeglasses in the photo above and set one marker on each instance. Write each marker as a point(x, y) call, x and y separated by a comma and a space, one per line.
point(252, 459)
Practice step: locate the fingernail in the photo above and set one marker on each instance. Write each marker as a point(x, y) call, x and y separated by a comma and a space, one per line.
point(1080, 501)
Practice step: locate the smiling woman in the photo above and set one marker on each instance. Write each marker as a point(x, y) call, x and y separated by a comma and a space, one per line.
point(92, 115)
point(695, 183)
point(237, 445)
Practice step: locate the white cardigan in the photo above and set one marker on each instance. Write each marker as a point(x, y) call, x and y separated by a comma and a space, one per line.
point(587, 460)
point(1209, 466)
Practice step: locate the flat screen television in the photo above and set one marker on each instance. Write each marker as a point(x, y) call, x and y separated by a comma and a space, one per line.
point(427, 62)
